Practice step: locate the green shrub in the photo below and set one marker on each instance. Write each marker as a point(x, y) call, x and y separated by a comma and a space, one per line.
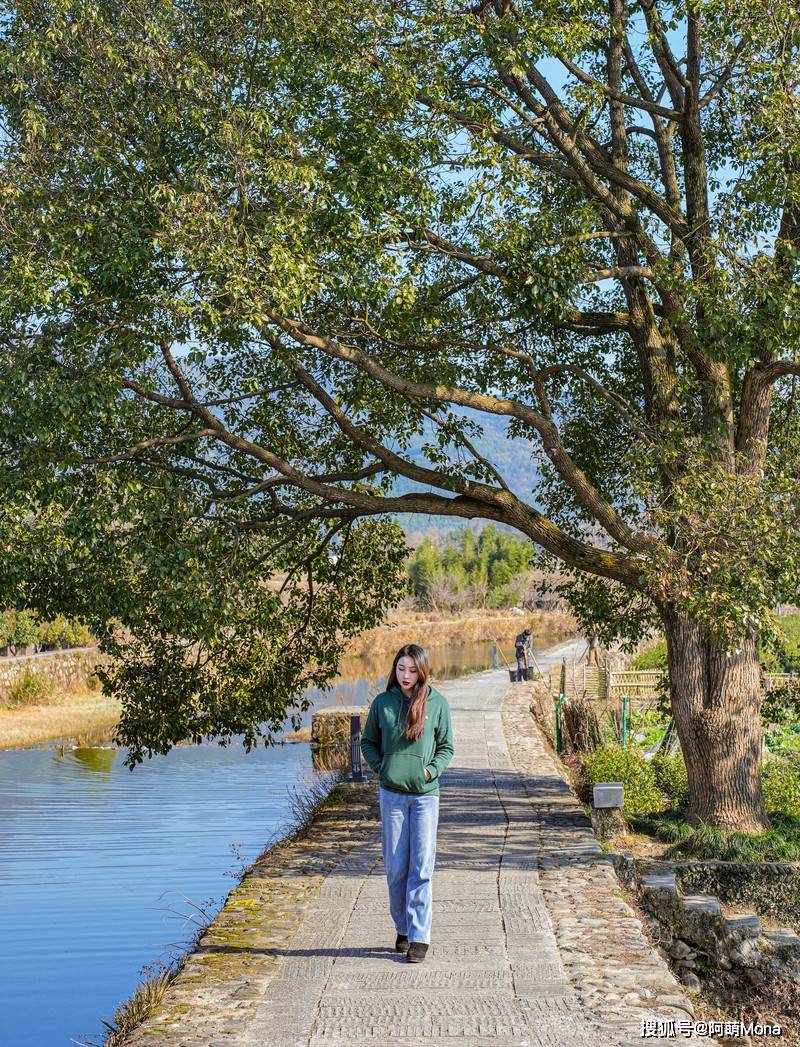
point(26, 628)
point(783, 739)
point(781, 704)
point(65, 632)
point(18, 628)
point(613, 764)
point(54, 632)
point(29, 688)
point(780, 717)
point(781, 781)
point(671, 777)
point(780, 777)
point(647, 726)
point(788, 659)
point(77, 633)
point(609, 728)
point(654, 657)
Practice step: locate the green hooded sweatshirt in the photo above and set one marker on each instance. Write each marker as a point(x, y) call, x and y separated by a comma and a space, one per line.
point(401, 764)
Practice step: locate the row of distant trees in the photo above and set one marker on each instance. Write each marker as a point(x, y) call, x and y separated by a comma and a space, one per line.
point(22, 632)
point(463, 569)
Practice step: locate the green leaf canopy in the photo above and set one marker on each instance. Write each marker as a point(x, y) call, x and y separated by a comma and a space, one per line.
point(252, 250)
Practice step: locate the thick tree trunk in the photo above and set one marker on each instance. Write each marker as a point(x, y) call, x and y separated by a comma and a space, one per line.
point(716, 701)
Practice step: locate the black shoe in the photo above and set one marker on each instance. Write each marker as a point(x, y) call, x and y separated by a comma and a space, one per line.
point(416, 952)
point(401, 943)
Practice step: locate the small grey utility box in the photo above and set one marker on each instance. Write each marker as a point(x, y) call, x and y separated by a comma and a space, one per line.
point(609, 794)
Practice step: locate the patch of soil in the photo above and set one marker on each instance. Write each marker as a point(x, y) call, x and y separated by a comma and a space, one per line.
point(638, 845)
point(724, 997)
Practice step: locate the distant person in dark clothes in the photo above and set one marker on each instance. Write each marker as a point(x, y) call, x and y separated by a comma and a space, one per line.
point(521, 649)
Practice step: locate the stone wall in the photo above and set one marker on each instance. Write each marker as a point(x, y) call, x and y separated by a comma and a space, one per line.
point(64, 670)
point(695, 925)
point(772, 889)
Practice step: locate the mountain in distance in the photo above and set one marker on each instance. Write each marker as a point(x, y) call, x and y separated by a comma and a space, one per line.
point(512, 457)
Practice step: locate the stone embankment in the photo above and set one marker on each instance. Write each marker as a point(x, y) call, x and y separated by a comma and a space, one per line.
point(68, 670)
point(692, 925)
point(533, 942)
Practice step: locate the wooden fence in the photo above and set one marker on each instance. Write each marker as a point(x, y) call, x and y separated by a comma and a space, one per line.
point(598, 682)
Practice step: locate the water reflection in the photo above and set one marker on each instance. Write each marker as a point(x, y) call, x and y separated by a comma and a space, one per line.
point(96, 760)
point(361, 678)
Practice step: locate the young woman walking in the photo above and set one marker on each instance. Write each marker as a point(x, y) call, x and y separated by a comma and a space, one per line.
point(408, 742)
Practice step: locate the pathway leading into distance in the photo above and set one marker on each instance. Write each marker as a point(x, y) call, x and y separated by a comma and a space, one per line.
point(532, 943)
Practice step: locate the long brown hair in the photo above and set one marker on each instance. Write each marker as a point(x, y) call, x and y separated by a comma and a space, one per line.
point(418, 703)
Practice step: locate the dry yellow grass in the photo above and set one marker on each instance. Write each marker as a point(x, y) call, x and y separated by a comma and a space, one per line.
point(65, 716)
point(472, 626)
point(303, 735)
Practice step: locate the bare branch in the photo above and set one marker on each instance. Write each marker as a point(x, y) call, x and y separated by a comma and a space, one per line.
point(670, 68)
point(266, 391)
point(636, 424)
point(576, 479)
point(156, 398)
point(588, 161)
point(663, 136)
point(243, 493)
point(724, 76)
point(580, 321)
point(146, 445)
point(472, 449)
point(391, 460)
point(645, 104)
point(620, 272)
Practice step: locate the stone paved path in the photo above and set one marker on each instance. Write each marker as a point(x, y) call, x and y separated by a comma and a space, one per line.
point(532, 941)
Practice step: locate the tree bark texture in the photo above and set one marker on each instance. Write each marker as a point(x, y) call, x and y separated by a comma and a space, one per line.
point(716, 702)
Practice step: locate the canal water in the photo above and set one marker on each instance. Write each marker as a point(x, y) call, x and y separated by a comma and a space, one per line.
point(106, 873)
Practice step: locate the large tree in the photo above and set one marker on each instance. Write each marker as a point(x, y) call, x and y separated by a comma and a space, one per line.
point(252, 249)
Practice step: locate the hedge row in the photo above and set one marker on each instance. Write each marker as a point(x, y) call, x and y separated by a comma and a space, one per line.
point(661, 782)
point(23, 629)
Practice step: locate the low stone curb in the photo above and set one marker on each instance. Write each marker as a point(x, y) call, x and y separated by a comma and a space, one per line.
point(614, 969)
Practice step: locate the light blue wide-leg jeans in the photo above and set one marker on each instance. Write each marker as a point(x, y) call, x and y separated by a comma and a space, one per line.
point(408, 838)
